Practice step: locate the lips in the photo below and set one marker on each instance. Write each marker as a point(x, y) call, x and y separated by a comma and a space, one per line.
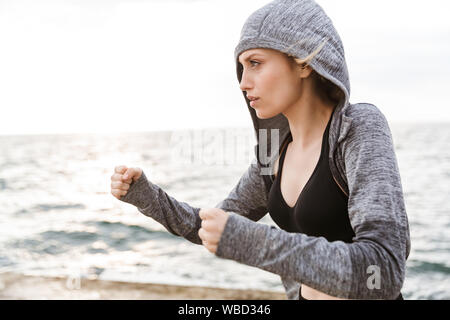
point(253, 102)
point(251, 98)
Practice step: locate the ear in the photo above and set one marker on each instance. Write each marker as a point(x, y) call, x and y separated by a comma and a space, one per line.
point(304, 70)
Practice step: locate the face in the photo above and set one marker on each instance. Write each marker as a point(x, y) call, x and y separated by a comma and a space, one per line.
point(273, 78)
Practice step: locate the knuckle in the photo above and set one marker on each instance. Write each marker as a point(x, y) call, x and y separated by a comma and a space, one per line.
point(120, 168)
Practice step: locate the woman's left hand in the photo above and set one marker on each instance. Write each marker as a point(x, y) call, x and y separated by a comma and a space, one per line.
point(213, 224)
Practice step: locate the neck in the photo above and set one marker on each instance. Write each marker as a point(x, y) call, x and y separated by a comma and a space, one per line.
point(308, 119)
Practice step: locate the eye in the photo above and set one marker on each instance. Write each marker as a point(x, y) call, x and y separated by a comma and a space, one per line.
point(253, 61)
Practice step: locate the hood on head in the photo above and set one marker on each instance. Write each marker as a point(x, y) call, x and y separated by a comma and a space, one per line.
point(296, 28)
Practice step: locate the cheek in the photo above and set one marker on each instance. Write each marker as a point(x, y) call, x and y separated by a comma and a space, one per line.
point(286, 91)
point(278, 90)
point(281, 87)
point(267, 86)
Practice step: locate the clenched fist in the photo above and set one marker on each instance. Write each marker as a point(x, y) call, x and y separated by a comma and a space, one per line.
point(213, 224)
point(122, 178)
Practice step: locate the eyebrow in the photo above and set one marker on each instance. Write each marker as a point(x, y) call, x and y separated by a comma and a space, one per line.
point(250, 56)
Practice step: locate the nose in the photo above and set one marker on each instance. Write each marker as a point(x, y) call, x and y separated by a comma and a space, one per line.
point(245, 83)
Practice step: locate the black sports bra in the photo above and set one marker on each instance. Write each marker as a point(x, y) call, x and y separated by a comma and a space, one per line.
point(321, 208)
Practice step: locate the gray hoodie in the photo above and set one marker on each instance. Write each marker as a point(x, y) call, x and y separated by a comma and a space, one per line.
point(362, 161)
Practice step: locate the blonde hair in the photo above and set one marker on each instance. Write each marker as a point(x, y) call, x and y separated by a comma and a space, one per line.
point(324, 87)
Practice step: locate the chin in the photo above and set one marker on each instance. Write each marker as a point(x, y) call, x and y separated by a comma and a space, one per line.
point(259, 115)
point(264, 115)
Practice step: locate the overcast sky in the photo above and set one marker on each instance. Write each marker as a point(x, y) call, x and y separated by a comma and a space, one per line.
point(114, 66)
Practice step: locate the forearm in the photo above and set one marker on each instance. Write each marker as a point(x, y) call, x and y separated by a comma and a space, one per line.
point(179, 218)
point(335, 268)
point(248, 198)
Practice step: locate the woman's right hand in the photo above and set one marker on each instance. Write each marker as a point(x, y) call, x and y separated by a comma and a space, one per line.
point(122, 179)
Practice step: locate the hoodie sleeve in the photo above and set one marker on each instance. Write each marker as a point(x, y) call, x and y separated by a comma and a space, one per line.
point(373, 265)
point(247, 198)
point(179, 218)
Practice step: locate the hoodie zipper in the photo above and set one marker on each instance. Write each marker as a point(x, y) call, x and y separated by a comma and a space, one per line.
point(339, 185)
point(335, 180)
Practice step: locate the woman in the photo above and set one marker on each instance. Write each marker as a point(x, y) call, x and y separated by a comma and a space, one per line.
point(331, 182)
